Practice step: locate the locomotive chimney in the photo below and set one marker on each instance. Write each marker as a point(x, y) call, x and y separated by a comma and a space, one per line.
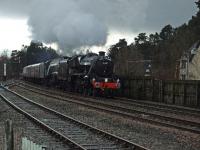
point(101, 53)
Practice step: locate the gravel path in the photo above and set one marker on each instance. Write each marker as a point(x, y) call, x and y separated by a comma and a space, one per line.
point(151, 136)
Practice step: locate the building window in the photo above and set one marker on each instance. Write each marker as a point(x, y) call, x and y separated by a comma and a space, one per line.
point(183, 77)
point(183, 64)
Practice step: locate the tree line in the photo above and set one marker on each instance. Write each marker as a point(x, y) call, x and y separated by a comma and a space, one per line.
point(34, 53)
point(163, 48)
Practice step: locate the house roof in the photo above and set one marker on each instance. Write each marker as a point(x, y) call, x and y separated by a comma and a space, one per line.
point(193, 50)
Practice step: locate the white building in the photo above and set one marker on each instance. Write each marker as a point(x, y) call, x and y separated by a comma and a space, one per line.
point(190, 64)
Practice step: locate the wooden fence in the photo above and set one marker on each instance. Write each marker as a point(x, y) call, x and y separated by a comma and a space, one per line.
point(184, 93)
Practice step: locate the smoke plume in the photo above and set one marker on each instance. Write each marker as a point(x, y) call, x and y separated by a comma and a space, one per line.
point(76, 23)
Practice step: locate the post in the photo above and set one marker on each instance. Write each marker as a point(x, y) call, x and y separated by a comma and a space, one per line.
point(173, 92)
point(9, 143)
point(197, 94)
point(143, 89)
point(162, 91)
point(129, 88)
point(4, 71)
point(185, 96)
point(153, 92)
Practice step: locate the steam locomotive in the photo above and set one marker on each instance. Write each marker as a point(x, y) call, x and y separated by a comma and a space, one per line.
point(91, 74)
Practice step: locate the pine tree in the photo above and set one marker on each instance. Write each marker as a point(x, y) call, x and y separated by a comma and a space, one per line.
point(198, 4)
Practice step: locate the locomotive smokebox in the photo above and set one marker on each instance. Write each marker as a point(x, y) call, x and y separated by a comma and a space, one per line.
point(102, 53)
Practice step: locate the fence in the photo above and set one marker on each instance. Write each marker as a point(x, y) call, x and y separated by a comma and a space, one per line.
point(184, 93)
point(29, 145)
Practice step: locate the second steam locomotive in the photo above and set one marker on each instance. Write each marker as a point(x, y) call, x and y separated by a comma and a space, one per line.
point(91, 74)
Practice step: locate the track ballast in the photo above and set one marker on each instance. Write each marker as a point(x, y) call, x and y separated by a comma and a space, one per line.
point(71, 131)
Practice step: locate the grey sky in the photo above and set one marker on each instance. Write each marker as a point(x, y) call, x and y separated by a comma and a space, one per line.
point(76, 23)
point(163, 12)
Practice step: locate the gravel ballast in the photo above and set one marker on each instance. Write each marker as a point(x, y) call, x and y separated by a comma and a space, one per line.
point(22, 128)
point(150, 136)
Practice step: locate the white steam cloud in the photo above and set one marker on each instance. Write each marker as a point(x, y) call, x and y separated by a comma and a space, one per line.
point(76, 23)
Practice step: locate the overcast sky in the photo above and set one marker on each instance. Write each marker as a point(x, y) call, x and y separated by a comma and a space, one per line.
point(81, 23)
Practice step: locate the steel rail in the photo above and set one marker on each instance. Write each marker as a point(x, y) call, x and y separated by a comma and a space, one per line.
point(108, 135)
point(112, 109)
point(145, 104)
point(44, 126)
point(148, 104)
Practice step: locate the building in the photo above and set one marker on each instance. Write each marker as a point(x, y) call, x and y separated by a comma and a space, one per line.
point(139, 68)
point(189, 66)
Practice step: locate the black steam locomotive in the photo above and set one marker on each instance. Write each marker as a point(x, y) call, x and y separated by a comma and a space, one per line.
point(90, 74)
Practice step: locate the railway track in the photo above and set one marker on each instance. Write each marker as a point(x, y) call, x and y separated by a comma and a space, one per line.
point(158, 119)
point(24, 128)
point(163, 107)
point(138, 103)
point(76, 134)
